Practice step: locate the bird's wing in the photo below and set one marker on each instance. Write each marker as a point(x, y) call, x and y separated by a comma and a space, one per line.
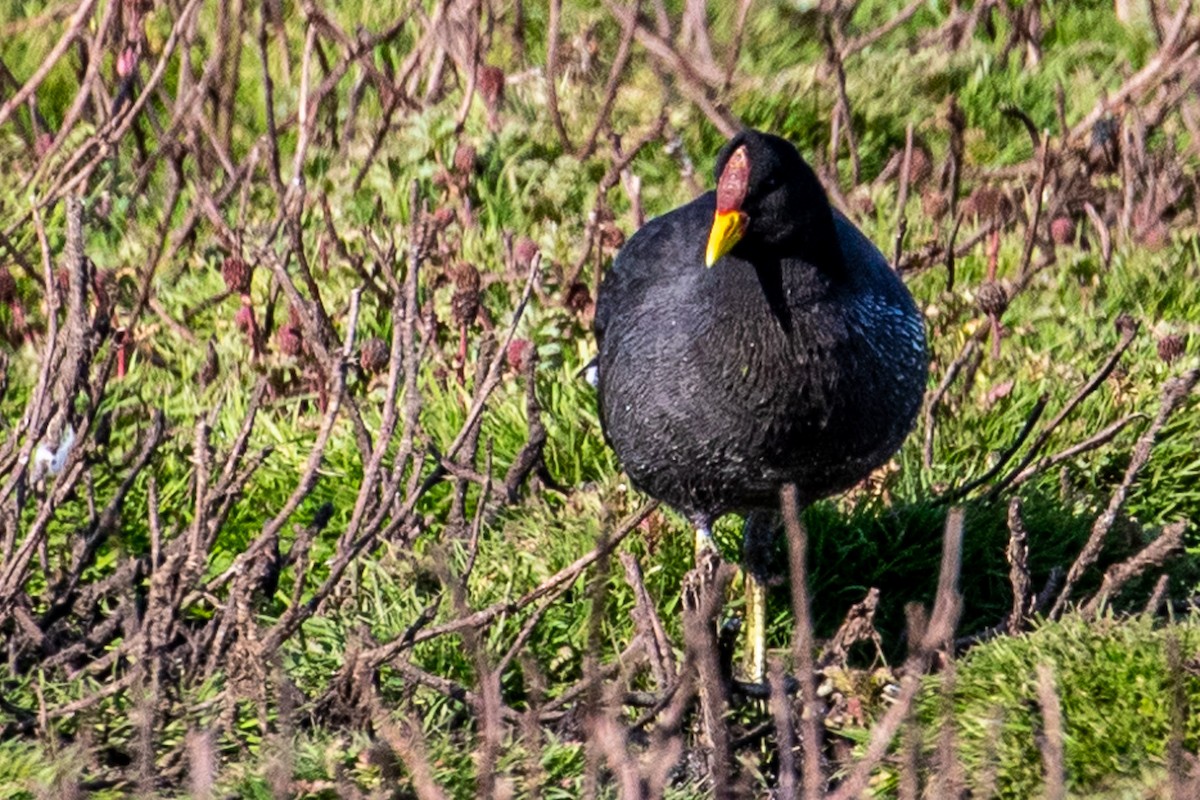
point(857, 249)
point(659, 249)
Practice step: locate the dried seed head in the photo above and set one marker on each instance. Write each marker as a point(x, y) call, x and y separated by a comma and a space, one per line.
point(291, 340)
point(464, 159)
point(490, 81)
point(104, 284)
point(1171, 347)
point(524, 251)
point(208, 372)
point(1155, 235)
point(935, 204)
point(374, 356)
point(920, 167)
point(578, 298)
point(1062, 230)
point(464, 304)
point(244, 318)
point(863, 204)
point(611, 237)
point(126, 62)
point(991, 298)
point(103, 206)
point(237, 274)
point(8, 286)
point(1125, 324)
point(985, 203)
point(518, 353)
point(443, 217)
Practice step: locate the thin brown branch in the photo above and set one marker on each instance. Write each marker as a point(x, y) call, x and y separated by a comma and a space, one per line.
point(803, 644)
point(649, 626)
point(693, 81)
point(1128, 332)
point(860, 43)
point(1096, 440)
point(935, 399)
point(938, 633)
point(1166, 546)
point(1051, 740)
point(1018, 573)
point(1031, 420)
point(902, 198)
point(610, 88)
point(1175, 391)
point(75, 27)
point(552, 34)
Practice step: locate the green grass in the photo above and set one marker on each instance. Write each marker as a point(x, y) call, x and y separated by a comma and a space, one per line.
point(1111, 675)
point(1114, 686)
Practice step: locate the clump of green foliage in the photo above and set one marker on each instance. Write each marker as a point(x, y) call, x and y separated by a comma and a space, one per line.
point(196, 178)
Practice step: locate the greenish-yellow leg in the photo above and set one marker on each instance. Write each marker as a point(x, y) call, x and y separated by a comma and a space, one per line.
point(754, 662)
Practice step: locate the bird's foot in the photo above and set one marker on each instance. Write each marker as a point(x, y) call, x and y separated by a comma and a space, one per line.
point(762, 690)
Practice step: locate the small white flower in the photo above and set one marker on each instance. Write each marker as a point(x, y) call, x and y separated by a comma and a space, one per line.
point(52, 461)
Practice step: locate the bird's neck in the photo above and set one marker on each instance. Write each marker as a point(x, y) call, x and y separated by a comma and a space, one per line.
point(812, 239)
point(815, 239)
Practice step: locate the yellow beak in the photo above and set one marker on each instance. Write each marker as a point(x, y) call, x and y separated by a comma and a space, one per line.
point(727, 230)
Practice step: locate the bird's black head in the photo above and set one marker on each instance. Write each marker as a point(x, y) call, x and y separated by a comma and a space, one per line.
point(770, 202)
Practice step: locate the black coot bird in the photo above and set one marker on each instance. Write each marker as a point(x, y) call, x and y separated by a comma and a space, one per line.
point(751, 339)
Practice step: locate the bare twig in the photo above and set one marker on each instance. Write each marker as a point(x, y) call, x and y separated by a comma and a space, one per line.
point(1169, 543)
point(650, 627)
point(1018, 574)
point(1051, 740)
point(842, 111)
point(1031, 421)
point(703, 590)
point(860, 43)
point(938, 633)
point(610, 88)
point(696, 80)
point(75, 27)
point(1096, 440)
point(785, 737)
point(1174, 393)
point(1179, 46)
point(552, 73)
point(952, 372)
point(1128, 332)
point(813, 778)
point(902, 198)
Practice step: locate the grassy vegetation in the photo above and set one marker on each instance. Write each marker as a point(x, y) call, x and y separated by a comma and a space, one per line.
point(215, 707)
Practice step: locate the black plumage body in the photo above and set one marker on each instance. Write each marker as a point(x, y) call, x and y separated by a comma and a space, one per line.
point(798, 358)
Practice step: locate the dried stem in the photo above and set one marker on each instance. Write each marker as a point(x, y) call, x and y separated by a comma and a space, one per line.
point(1174, 393)
point(811, 716)
point(1051, 740)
